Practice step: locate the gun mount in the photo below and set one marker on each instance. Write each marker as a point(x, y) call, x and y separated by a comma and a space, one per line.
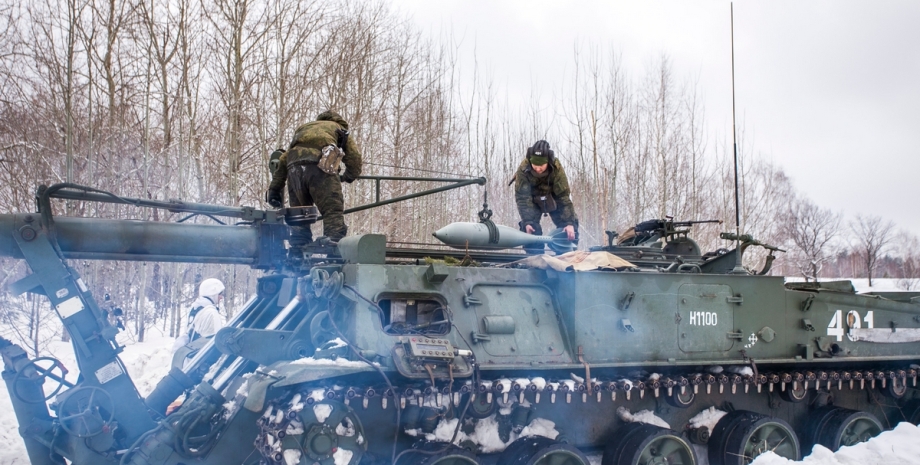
point(361, 353)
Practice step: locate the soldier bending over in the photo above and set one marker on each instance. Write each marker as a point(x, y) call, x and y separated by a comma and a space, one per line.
point(310, 167)
point(541, 188)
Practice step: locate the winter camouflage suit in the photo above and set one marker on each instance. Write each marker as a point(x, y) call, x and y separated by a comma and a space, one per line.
point(307, 184)
point(552, 182)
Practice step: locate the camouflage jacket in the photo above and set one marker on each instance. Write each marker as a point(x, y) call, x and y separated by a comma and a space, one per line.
point(527, 185)
point(309, 140)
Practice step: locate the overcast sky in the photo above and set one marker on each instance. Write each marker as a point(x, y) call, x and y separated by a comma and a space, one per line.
point(829, 90)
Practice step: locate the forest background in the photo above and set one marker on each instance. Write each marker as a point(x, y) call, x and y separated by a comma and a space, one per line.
point(185, 99)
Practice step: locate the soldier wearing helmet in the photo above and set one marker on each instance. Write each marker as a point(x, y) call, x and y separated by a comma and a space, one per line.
point(204, 320)
point(541, 188)
point(310, 168)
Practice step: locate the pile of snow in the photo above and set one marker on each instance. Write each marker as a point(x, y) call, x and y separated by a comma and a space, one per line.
point(486, 434)
point(328, 362)
point(707, 418)
point(642, 416)
point(900, 445)
point(741, 370)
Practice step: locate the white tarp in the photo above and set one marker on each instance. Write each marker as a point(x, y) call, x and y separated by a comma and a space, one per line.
point(575, 261)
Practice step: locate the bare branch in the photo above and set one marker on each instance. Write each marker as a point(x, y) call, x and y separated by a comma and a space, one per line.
point(872, 236)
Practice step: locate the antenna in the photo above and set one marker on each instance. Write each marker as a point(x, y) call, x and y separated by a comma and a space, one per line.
point(738, 267)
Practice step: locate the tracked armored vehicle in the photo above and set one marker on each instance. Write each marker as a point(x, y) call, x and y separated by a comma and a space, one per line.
point(640, 351)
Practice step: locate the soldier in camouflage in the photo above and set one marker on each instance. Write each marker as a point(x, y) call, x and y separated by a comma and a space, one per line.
point(308, 184)
point(541, 188)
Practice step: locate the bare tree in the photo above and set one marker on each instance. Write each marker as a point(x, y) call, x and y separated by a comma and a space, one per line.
point(907, 248)
point(872, 236)
point(812, 230)
point(237, 29)
point(186, 98)
point(620, 131)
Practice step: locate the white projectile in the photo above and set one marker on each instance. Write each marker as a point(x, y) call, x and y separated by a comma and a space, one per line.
point(461, 235)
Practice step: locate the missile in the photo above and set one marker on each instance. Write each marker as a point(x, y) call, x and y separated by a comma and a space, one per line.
point(461, 235)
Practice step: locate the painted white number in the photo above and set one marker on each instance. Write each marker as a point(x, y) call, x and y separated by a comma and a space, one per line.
point(704, 318)
point(853, 321)
point(835, 327)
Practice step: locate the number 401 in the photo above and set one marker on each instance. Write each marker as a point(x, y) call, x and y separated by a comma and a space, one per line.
point(853, 321)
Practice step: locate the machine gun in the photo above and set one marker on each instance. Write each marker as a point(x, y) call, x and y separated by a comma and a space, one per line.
point(656, 238)
point(651, 231)
point(747, 240)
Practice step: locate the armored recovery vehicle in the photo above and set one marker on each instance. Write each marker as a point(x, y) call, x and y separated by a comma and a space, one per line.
point(364, 353)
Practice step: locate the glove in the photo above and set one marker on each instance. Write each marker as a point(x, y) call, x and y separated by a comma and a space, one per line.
point(273, 197)
point(347, 177)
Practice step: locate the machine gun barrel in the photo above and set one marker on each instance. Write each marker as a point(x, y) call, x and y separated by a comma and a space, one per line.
point(748, 239)
point(132, 240)
point(693, 222)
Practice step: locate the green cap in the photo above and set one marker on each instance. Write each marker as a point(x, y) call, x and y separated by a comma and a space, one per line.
point(538, 160)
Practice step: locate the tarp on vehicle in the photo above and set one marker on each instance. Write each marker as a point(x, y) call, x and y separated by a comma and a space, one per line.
point(578, 260)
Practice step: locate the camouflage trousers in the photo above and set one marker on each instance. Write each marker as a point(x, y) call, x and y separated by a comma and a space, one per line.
point(533, 249)
point(536, 249)
point(308, 185)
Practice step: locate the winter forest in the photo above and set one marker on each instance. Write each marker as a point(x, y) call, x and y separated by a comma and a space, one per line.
point(186, 99)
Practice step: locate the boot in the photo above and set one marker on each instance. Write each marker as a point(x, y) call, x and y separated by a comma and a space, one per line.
point(330, 246)
point(300, 236)
point(324, 241)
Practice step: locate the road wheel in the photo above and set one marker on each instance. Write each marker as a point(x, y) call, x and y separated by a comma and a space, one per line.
point(643, 444)
point(480, 407)
point(911, 412)
point(794, 395)
point(538, 450)
point(676, 399)
point(747, 435)
point(439, 453)
point(895, 388)
point(839, 427)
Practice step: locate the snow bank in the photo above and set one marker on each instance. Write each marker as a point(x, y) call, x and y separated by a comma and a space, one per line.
point(149, 361)
point(900, 445)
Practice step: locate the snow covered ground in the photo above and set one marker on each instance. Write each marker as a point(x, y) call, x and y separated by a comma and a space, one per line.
point(862, 284)
point(148, 362)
